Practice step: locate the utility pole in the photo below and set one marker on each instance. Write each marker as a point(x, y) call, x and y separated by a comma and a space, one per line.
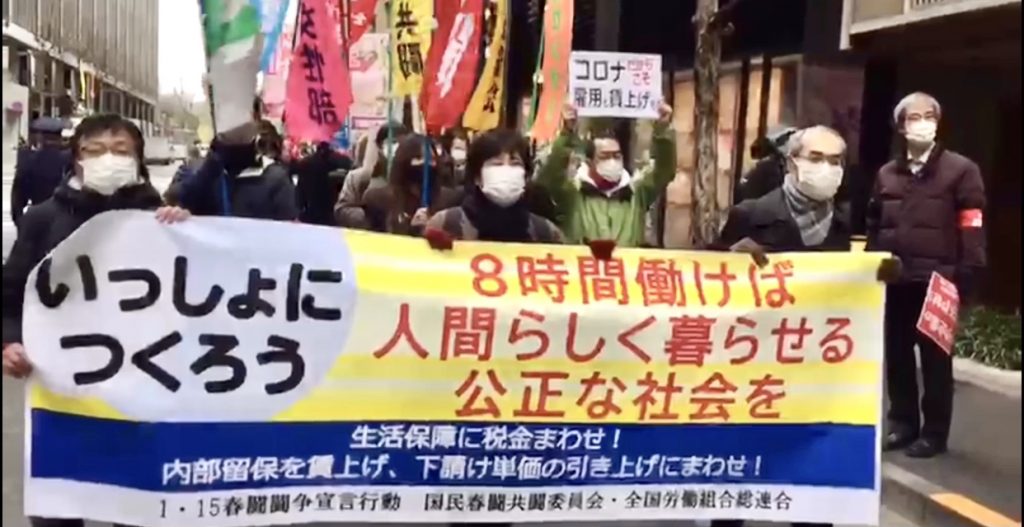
point(705, 182)
point(711, 25)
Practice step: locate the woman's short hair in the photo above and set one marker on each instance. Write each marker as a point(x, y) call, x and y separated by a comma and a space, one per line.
point(492, 144)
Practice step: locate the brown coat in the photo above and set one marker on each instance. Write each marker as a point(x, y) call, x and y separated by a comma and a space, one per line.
point(924, 219)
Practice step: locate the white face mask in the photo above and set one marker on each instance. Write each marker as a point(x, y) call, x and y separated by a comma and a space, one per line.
point(503, 184)
point(109, 173)
point(610, 169)
point(921, 132)
point(818, 181)
point(459, 155)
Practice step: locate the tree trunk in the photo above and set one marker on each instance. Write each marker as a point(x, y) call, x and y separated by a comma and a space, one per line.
point(705, 181)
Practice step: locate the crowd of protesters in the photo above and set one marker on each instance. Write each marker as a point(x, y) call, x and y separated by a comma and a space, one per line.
point(925, 209)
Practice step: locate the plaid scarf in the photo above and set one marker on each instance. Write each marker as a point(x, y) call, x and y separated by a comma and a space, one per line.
point(813, 218)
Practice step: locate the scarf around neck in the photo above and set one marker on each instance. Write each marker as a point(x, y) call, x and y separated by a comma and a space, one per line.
point(813, 218)
point(494, 223)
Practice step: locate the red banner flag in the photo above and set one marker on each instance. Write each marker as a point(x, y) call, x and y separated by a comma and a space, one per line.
point(452, 66)
point(319, 87)
point(558, 15)
point(444, 14)
point(360, 18)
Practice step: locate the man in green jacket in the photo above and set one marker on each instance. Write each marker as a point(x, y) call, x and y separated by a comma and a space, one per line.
point(603, 201)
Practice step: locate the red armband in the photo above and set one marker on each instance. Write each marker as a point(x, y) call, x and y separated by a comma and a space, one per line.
point(971, 219)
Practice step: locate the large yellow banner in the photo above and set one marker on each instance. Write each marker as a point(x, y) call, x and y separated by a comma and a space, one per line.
point(244, 365)
point(411, 26)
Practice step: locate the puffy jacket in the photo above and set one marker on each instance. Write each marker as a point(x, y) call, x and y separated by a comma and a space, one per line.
point(932, 220)
point(268, 194)
point(45, 225)
point(586, 213)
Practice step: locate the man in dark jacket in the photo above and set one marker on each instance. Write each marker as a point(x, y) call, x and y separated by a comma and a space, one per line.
point(244, 177)
point(39, 169)
point(926, 208)
point(315, 190)
point(107, 174)
point(799, 216)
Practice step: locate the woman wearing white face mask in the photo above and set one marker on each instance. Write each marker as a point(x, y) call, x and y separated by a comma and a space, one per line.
point(107, 174)
point(495, 207)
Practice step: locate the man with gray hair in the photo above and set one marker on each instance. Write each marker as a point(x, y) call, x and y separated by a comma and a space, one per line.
point(927, 209)
point(800, 215)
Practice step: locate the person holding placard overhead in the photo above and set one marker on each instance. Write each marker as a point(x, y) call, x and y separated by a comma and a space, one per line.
point(602, 200)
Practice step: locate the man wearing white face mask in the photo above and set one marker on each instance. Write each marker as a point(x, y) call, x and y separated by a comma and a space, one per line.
point(603, 201)
point(927, 209)
point(496, 208)
point(107, 175)
point(802, 215)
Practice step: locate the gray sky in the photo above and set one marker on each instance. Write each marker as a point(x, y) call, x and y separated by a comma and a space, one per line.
point(182, 62)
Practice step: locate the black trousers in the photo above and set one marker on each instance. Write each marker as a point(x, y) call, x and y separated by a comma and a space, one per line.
point(902, 308)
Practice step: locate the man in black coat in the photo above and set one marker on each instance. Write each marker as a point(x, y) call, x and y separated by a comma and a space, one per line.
point(107, 174)
point(801, 215)
point(316, 188)
point(40, 168)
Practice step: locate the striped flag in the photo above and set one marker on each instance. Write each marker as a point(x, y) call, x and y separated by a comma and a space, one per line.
point(233, 47)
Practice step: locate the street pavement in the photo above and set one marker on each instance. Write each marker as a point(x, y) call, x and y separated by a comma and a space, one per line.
point(13, 418)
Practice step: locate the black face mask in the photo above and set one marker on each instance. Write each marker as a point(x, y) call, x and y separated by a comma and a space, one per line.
point(239, 157)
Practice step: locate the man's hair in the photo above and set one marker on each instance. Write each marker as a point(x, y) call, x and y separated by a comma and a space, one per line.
point(113, 123)
point(449, 137)
point(795, 144)
point(899, 113)
point(591, 148)
point(398, 130)
point(492, 144)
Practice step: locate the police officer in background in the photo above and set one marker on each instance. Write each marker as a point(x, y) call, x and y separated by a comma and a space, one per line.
point(40, 167)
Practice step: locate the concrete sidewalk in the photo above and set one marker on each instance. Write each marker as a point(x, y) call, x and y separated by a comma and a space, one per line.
point(978, 483)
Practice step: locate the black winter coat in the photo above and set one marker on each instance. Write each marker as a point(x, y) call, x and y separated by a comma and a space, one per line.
point(45, 225)
point(767, 221)
point(37, 174)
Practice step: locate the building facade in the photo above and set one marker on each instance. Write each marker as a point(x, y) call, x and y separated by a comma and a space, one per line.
point(967, 53)
point(82, 56)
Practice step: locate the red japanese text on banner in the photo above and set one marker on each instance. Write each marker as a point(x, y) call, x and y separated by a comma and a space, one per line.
point(319, 88)
point(940, 312)
point(449, 90)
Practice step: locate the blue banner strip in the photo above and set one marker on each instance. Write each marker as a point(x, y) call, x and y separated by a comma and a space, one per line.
point(183, 457)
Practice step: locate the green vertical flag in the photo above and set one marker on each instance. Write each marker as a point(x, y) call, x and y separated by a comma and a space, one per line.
point(233, 47)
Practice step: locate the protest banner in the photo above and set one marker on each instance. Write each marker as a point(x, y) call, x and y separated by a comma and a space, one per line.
point(940, 313)
point(231, 33)
point(604, 84)
point(452, 79)
point(487, 103)
point(411, 27)
point(558, 16)
point(360, 18)
point(275, 78)
point(319, 89)
point(368, 63)
point(241, 373)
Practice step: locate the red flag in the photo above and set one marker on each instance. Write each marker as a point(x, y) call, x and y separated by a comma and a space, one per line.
point(360, 18)
point(319, 87)
point(444, 13)
point(450, 85)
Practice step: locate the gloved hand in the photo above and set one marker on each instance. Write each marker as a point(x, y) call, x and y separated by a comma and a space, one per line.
point(601, 249)
point(890, 270)
point(966, 286)
point(754, 249)
point(438, 239)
